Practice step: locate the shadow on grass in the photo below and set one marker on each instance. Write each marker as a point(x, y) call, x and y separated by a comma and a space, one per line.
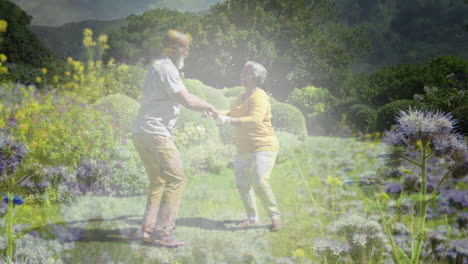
point(97, 229)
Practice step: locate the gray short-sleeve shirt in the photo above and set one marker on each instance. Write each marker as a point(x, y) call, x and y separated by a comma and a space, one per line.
point(158, 111)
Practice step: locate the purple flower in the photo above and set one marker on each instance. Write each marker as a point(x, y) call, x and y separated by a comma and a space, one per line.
point(12, 121)
point(12, 153)
point(462, 220)
point(459, 199)
point(16, 199)
point(428, 127)
point(394, 188)
point(394, 174)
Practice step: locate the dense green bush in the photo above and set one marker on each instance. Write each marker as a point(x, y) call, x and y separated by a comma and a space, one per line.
point(195, 87)
point(311, 99)
point(286, 117)
point(342, 108)
point(216, 98)
point(319, 123)
point(363, 117)
point(126, 80)
point(123, 111)
point(194, 129)
point(461, 113)
point(392, 83)
point(208, 157)
point(234, 91)
point(397, 82)
point(387, 113)
point(443, 99)
point(445, 71)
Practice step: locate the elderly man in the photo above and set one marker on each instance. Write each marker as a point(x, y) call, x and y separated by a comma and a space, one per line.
point(163, 93)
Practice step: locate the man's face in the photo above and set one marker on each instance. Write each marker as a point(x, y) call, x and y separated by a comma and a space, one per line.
point(180, 53)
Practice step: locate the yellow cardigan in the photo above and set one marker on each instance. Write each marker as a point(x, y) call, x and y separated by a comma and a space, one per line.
point(256, 132)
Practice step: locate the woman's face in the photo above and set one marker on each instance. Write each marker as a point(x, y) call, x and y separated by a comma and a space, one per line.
point(248, 78)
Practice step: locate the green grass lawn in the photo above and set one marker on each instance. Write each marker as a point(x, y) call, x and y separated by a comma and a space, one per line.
point(104, 229)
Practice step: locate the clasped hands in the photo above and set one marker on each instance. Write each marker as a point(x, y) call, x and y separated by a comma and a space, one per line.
point(220, 118)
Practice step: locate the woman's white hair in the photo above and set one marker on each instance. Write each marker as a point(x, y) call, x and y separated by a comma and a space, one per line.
point(258, 70)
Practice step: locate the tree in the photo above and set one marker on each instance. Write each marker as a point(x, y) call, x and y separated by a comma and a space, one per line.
point(300, 42)
point(19, 44)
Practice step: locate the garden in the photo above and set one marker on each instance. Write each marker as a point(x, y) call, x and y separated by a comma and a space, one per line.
point(358, 179)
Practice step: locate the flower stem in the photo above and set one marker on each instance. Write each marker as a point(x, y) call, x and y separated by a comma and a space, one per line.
point(10, 221)
point(434, 192)
point(422, 217)
point(411, 161)
point(389, 234)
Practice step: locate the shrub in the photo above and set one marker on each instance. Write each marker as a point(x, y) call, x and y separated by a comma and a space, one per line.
point(208, 157)
point(311, 99)
point(234, 91)
point(392, 83)
point(387, 113)
point(195, 87)
point(59, 129)
point(123, 111)
point(216, 98)
point(363, 117)
point(125, 79)
point(443, 99)
point(192, 129)
point(288, 118)
point(461, 114)
point(319, 123)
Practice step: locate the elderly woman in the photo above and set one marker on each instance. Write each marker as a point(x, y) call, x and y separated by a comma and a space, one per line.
point(256, 144)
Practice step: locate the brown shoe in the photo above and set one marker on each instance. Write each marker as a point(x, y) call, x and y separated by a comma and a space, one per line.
point(276, 225)
point(168, 241)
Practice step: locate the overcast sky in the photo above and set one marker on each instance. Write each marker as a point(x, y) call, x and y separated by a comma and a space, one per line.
point(59, 12)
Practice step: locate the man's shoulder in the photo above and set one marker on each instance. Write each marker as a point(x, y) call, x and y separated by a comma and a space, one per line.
point(164, 64)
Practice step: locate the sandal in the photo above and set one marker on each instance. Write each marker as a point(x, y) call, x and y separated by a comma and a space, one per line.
point(244, 223)
point(247, 223)
point(168, 241)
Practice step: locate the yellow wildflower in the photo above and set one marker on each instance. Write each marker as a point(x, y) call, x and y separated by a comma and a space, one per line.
point(2, 123)
point(122, 68)
point(298, 253)
point(3, 57)
point(70, 59)
point(88, 38)
point(33, 145)
point(38, 79)
point(44, 70)
point(67, 73)
point(3, 25)
point(23, 128)
point(334, 181)
point(75, 77)
point(1, 107)
point(102, 38)
point(111, 61)
point(383, 197)
point(4, 69)
point(56, 78)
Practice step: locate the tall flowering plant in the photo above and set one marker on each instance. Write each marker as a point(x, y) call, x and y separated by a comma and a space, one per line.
point(12, 154)
point(429, 135)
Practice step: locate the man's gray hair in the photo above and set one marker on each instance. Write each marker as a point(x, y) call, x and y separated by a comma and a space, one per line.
point(257, 69)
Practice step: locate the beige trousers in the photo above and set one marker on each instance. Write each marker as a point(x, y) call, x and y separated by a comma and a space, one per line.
point(252, 172)
point(163, 165)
